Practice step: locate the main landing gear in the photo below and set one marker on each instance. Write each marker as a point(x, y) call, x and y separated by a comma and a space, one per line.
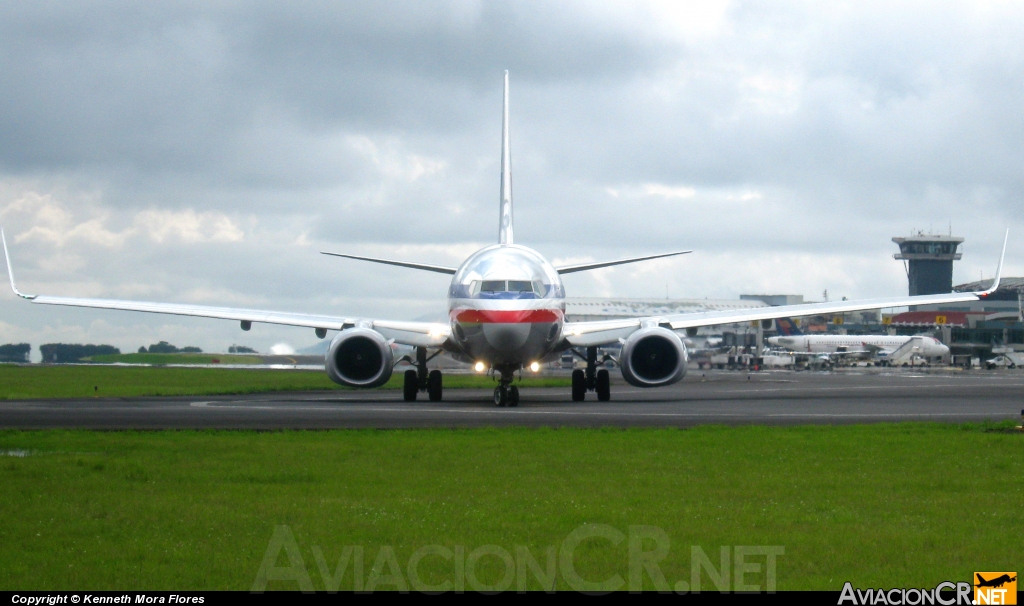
point(506, 394)
point(421, 380)
point(592, 379)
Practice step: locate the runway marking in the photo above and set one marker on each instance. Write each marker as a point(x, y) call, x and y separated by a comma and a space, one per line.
point(597, 413)
point(754, 389)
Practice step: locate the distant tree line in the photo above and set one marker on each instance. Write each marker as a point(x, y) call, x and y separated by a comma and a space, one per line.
point(164, 347)
point(64, 352)
point(240, 349)
point(15, 352)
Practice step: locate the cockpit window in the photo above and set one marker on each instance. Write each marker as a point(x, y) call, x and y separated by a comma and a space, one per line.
point(519, 287)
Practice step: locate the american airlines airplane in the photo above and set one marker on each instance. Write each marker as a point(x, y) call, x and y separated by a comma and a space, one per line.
point(506, 307)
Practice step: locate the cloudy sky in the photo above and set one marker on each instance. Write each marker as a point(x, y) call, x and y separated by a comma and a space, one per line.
point(205, 152)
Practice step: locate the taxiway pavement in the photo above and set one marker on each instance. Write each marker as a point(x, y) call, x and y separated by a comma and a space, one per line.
point(778, 398)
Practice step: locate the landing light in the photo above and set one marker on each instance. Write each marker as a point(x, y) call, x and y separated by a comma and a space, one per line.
point(534, 366)
point(480, 366)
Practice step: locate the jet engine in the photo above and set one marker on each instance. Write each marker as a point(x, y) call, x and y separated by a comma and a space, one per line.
point(652, 357)
point(359, 357)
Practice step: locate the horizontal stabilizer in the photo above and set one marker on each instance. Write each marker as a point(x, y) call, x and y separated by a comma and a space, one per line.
point(568, 269)
point(423, 266)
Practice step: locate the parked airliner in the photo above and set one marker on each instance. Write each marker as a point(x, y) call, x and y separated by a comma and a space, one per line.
point(506, 313)
point(878, 347)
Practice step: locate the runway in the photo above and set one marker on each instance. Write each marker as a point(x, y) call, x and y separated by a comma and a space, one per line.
point(777, 398)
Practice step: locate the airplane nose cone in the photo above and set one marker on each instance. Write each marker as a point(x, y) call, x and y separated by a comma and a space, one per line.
point(506, 337)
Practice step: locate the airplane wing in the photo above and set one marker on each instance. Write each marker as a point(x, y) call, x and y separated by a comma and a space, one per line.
point(580, 334)
point(584, 334)
point(423, 334)
point(851, 352)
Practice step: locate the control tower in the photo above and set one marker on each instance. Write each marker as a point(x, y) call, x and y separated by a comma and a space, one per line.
point(929, 262)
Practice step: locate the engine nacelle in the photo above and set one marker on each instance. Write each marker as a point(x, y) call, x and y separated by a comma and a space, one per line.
point(652, 357)
point(359, 357)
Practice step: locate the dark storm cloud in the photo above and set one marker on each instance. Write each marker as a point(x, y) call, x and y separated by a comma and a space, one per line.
point(206, 151)
point(176, 87)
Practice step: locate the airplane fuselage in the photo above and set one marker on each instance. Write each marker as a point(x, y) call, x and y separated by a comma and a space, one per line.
point(506, 306)
point(930, 346)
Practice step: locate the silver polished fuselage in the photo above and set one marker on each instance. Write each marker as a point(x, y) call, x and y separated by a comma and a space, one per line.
point(506, 306)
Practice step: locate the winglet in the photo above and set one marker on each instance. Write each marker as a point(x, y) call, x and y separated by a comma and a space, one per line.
point(10, 273)
point(999, 269)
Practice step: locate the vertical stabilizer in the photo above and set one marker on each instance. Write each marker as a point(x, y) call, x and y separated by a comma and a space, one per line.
point(786, 327)
point(505, 227)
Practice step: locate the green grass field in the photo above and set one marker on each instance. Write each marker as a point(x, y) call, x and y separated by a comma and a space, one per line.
point(881, 506)
point(175, 358)
point(32, 381)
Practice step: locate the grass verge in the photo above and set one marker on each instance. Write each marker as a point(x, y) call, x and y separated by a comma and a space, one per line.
point(880, 506)
point(175, 358)
point(22, 382)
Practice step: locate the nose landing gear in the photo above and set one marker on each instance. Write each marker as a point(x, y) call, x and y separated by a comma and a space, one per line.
point(506, 394)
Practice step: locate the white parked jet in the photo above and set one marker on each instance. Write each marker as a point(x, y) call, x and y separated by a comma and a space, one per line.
point(878, 347)
point(506, 312)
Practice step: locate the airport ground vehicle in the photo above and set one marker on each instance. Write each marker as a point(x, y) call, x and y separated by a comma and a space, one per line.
point(1005, 360)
